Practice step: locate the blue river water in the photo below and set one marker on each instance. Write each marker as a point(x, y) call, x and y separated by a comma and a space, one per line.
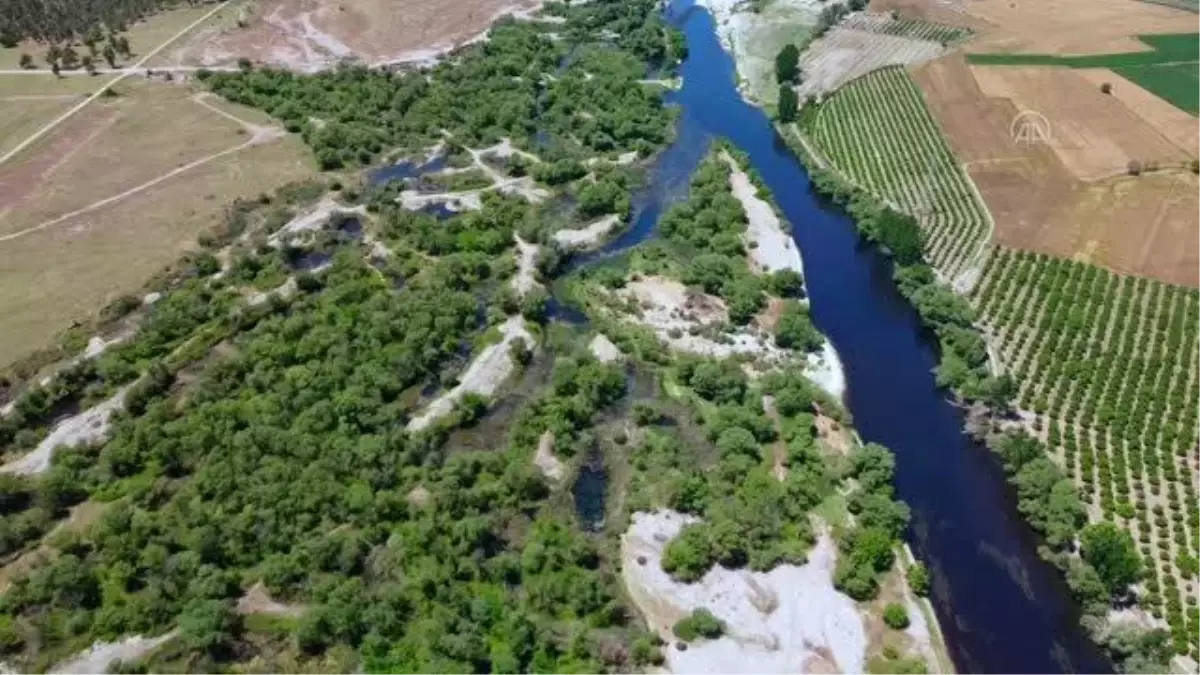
point(1002, 609)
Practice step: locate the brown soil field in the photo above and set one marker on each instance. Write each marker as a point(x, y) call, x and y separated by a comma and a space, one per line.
point(57, 268)
point(1068, 27)
point(1146, 225)
point(308, 34)
point(1094, 134)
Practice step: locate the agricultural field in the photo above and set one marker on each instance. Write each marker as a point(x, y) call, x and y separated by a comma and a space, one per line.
point(1144, 224)
point(877, 132)
point(1169, 68)
point(1107, 365)
point(901, 26)
point(864, 42)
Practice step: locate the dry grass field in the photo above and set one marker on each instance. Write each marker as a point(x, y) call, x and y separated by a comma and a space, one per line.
point(118, 191)
point(308, 34)
point(1096, 135)
point(29, 101)
point(1072, 27)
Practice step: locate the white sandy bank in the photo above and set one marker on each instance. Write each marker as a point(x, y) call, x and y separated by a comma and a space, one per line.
point(484, 376)
point(545, 459)
point(773, 248)
point(788, 620)
point(589, 235)
point(96, 658)
point(825, 369)
point(89, 426)
point(671, 311)
point(314, 218)
point(603, 349)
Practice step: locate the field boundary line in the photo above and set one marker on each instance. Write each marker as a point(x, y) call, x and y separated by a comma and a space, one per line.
point(99, 92)
point(984, 242)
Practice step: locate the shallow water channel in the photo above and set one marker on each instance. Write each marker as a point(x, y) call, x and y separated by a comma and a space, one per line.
point(1002, 609)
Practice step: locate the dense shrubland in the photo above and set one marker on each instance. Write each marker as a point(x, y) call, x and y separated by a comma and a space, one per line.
point(709, 225)
point(575, 98)
point(265, 442)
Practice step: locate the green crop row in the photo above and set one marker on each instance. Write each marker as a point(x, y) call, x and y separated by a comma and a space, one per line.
point(877, 132)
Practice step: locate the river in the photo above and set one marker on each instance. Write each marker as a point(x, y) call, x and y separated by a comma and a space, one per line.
point(1002, 608)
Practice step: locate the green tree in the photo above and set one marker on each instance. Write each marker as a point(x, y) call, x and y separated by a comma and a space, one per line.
point(787, 64)
point(110, 55)
point(1113, 553)
point(789, 103)
point(795, 329)
point(786, 283)
point(26, 61)
point(209, 626)
point(10, 637)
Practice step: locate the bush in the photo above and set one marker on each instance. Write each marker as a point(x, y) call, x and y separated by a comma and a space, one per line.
point(1134, 167)
point(795, 329)
point(701, 624)
point(918, 579)
point(1111, 551)
point(786, 283)
point(10, 637)
point(1106, 88)
point(895, 616)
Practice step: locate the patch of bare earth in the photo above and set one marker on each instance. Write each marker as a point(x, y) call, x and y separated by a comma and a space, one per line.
point(311, 34)
point(257, 600)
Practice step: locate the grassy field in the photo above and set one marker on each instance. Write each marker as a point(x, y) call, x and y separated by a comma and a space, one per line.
point(877, 132)
point(29, 101)
point(71, 267)
point(1178, 83)
point(1107, 364)
point(1192, 6)
point(1170, 69)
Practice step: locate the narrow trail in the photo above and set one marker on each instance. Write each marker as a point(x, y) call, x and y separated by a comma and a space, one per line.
point(100, 92)
point(258, 136)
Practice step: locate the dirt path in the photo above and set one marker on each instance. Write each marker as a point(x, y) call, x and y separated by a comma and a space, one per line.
point(258, 136)
point(100, 92)
point(96, 658)
point(88, 426)
point(526, 278)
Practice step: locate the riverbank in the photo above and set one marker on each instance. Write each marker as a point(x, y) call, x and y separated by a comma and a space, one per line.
point(754, 37)
point(986, 570)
